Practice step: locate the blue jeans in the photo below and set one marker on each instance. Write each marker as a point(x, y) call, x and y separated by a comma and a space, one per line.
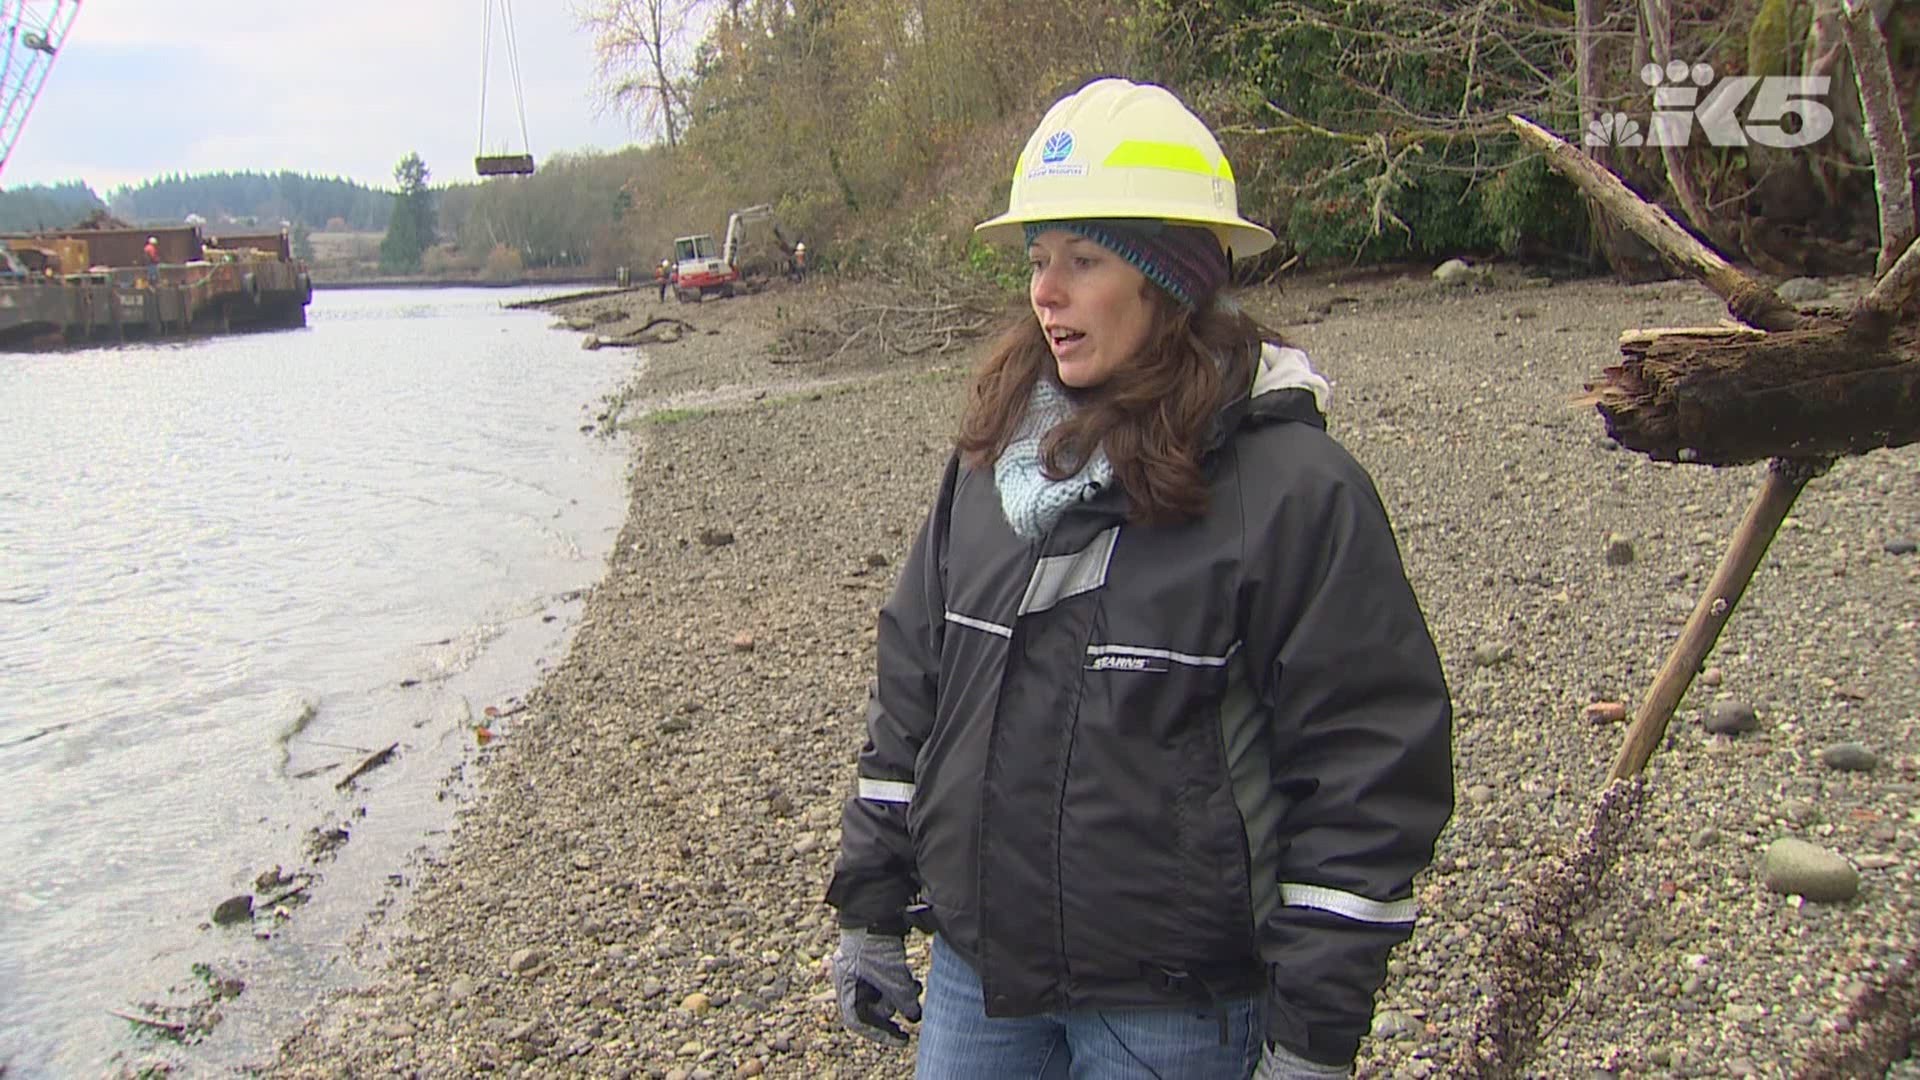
point(958, 1041)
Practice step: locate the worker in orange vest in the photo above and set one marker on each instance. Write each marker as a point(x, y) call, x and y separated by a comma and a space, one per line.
point(153, 259)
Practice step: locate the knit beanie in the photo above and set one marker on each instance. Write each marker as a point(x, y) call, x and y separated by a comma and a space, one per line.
point(1186, 260)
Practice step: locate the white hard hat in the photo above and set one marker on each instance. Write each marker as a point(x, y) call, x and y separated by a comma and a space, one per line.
point(1119, 149)
point(801, 246)
point(153, 239)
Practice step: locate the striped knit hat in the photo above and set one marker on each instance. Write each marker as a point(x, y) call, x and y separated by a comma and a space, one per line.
point(1186, 260)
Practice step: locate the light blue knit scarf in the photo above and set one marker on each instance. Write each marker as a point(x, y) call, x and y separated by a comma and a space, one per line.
point(1031, 501)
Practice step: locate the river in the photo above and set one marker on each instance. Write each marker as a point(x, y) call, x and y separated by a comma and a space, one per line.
point(232, 570)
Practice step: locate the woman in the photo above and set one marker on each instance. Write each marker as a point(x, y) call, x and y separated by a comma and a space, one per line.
point(1159, 739)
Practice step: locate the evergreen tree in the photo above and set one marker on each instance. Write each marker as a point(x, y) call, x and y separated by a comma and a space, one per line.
point(410, 229)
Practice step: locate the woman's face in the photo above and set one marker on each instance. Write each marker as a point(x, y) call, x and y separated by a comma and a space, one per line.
point(1092, 306)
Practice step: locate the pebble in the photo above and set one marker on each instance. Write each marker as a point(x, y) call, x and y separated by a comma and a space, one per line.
point(1730, 718)
point(1797, 868)
point(1619, 550)
point(1713, 676)
point(697, 1003)
point(1605, 712)
point(1900, 546)
point(524, 961)
point(1849, 757)
point(1491, 654)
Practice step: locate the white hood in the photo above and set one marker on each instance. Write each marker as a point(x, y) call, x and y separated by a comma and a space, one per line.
point(1283, 367)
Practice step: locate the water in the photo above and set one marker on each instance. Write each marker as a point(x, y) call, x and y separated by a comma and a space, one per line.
point(230, 570)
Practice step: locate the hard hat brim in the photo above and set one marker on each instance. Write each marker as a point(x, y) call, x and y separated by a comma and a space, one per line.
point(1241, 237)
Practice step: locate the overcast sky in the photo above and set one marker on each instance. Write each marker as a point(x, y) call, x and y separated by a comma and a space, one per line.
point(333, 88)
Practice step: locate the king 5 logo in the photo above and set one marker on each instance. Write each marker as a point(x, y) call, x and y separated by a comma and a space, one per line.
point(1678, 104)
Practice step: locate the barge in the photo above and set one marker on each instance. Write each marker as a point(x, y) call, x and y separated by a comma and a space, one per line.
point(82, 286)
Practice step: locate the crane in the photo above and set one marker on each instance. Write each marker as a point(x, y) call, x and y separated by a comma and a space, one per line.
point(33, 31)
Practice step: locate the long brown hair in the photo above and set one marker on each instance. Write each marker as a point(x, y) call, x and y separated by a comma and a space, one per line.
point(1153, 415)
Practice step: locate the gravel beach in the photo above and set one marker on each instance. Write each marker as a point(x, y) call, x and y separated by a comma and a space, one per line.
point(635, 891)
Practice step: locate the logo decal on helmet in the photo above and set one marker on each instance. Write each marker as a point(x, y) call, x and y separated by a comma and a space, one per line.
point(1053, 155)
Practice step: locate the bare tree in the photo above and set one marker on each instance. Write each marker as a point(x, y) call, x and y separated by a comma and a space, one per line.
point(642, 51)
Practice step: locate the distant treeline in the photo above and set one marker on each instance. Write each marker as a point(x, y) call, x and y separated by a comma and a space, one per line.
point(46, 206)
point(263, 198)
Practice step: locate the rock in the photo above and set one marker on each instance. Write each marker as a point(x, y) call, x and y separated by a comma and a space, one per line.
point(1900, 545)
point(272, 881)
point(651, 989)
point(234, 909)
point(1390, 1024)
point(398, 1029)
point(1730, 718)
point(1453, 272)
point(1491, 654)
point(697, 1003)
point(715, 537)
point(1605, 712)
point(673, 725)
point(1704, 837)
point(876, 560)
point(1800, 290)
point(668, 335)
point(1619, 550)
point(1849, 757)
point(526, 960)
point(1713, 676)
point(805, 844)
point(742, 642)
point(1479, 794)
point(460, 989)
point(750, 1067)
point(1797, 868)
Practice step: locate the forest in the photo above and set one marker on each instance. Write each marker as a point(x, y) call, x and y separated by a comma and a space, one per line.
point(1361, 130)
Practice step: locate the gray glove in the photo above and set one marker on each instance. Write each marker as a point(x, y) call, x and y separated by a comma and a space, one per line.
point(1279, 1063)
point(873, 982)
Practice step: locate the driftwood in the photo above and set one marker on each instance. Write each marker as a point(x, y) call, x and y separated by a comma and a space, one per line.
point(173, 1029)
point(377, 759)
point(659, 330)
point(1796, 389)
point(1815, 387)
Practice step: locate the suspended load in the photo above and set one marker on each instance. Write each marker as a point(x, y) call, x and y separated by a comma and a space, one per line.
point(486, 164)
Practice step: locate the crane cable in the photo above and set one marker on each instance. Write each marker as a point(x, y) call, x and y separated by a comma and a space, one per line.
point(513, 66)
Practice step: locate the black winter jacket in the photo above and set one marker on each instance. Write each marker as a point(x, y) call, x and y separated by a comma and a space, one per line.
point(1127, 762)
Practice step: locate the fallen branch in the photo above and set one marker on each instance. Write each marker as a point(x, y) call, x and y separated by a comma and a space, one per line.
point(1880, 104)
point(173, 1029)
point(1537, 955)
point(373, 762)
point(1750, 301)
point(286, 896)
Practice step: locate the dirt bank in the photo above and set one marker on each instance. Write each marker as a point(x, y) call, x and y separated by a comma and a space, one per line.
point(636, 891)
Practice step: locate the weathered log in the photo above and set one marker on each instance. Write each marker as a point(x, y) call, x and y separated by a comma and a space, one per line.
point(1750, 301)
point(1731, 396)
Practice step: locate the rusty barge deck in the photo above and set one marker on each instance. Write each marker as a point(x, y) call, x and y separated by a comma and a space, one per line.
point(211, 285)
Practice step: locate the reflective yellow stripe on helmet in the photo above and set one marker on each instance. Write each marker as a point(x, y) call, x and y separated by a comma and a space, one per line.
point(1178, 157)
